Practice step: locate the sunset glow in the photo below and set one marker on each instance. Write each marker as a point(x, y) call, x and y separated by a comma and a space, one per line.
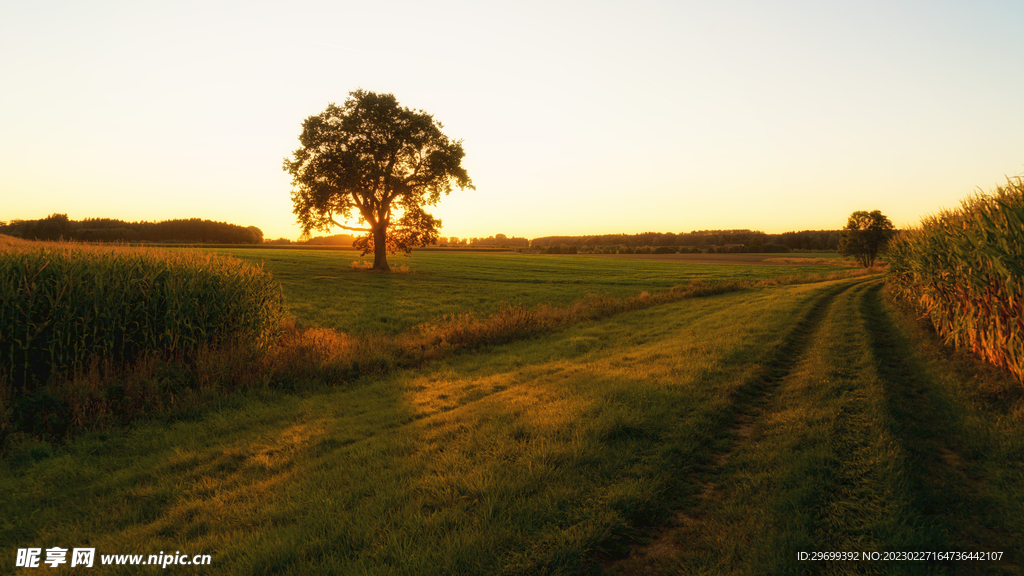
point(577, 117)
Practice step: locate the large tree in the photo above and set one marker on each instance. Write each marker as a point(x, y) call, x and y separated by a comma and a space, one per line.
point(865, 234)
point(378, 162)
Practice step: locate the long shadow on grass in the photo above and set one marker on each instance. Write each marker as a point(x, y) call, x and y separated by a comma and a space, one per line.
point(753, 393)
point(751, 396)
point(951, 513)
point(747, 399)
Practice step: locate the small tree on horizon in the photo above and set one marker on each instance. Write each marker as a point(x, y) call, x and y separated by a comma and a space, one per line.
point(382, 163)
point(865, 235)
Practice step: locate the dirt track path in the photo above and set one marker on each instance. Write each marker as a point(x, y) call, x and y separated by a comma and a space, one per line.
point(838, 443)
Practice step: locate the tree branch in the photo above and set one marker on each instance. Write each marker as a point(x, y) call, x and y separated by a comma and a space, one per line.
point(342, 226)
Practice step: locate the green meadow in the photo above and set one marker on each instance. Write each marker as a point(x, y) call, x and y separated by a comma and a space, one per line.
point(322, 289)
point(724, 433)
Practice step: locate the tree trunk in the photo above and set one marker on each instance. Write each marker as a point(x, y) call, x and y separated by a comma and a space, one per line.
point(380, 249)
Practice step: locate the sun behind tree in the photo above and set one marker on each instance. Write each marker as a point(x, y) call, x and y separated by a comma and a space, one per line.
point(379, 162)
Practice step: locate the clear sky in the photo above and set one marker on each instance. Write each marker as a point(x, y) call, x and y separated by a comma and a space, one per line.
point(577, 117)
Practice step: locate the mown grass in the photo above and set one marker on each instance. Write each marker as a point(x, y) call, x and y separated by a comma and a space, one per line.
point(322, 288)
point(518, 461)
point(720, 434)
point(302, 357)
point(761, 422)
point(861, 437)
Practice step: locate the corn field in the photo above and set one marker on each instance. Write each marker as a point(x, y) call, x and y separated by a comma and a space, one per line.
point(64, 306)
point(964, 269)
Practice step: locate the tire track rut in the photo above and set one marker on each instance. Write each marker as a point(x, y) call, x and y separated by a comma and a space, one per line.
point(747, 403)
point(751, 396)
point(885, 471)
point(941, 487)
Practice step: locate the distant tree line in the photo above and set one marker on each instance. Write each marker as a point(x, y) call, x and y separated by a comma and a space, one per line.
point(731, 241)
point(496, 241)
point(307, 240)
point(191, 230)
point(333, 240)
point(500, 241)
point(696, 241)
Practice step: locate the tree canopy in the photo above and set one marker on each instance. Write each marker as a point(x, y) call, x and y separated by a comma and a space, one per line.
point(865, 234)
point(378, 162)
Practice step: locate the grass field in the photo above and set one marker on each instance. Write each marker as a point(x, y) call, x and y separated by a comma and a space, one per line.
point(323, 290)
point(722, 434)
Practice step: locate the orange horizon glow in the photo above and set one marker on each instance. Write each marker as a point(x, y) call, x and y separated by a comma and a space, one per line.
point(577, 118)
